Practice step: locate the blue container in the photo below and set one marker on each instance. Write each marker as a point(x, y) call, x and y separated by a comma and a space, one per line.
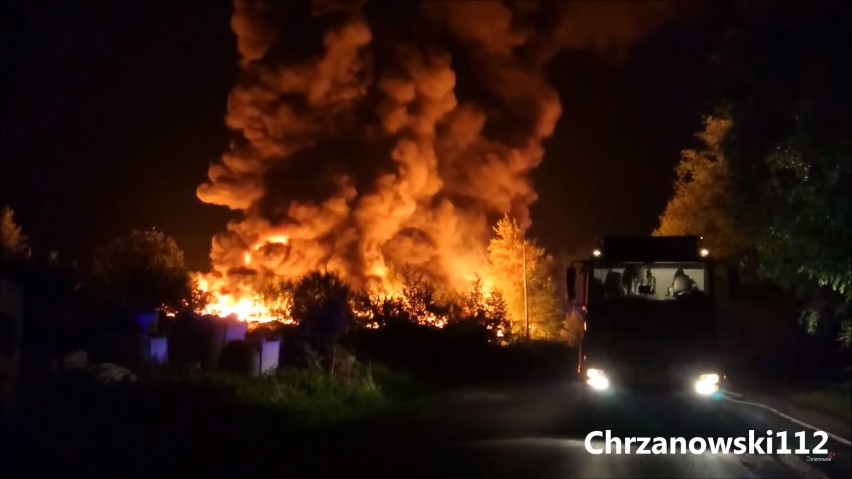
point(215, 334)
point(235, 330)
point(144, 321)
point(269, 353)
point(158, 350)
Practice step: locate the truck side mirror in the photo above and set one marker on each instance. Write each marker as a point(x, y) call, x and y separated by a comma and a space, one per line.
point(571, 282)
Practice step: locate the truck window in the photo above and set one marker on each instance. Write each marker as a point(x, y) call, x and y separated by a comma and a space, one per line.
point(659, 282)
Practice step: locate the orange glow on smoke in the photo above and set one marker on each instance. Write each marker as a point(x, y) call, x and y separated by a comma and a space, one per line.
point(272, 240)
point(278, 239)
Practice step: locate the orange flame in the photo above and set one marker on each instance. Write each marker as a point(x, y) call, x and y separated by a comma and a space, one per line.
point(277, 239)
point(244, 305)
point(231, 297)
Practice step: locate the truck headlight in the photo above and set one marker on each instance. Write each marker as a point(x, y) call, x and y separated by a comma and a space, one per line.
point(707, 384)
point(597, 379)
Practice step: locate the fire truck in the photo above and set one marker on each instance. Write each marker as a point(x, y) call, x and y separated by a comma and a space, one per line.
point(650, 316)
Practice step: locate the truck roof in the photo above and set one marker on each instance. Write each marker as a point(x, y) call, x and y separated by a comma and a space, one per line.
point(650, 248)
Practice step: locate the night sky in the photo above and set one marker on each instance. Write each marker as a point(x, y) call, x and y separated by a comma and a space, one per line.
point(113, 112)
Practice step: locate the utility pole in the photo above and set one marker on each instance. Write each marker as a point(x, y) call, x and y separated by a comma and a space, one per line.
point(526, 303)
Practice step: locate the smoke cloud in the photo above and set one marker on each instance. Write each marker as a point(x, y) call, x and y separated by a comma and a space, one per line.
point(363, 153)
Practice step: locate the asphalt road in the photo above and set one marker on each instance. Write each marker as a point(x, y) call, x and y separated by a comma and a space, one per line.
point(539, 432)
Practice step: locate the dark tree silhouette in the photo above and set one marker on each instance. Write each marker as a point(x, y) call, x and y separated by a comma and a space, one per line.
point(142, 272)
point(785, 76)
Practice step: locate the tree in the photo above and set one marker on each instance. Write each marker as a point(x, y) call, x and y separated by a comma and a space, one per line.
point(277, 296)
point(142, 272)
point(486, 310)
point(786, 84)
point(13, 243)
point(808, 241)
point(506, 256)
point(314, 290)
point(424, 301)
point(321, 307)
point(199, 299)
point(701, 204)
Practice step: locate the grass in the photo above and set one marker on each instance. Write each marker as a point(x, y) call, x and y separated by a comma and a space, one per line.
point(833, 400)
point(295, 423)
point(299, 397)
point(207, 422)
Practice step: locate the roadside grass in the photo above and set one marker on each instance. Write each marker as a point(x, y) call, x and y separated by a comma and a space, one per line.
point(295, 422)
point(303, 398)
point(833, 400)
point(208, 422)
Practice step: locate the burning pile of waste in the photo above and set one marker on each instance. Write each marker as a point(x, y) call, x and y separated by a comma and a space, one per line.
point(357, 153)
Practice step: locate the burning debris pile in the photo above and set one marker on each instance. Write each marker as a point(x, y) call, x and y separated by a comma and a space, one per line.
point(355, 151)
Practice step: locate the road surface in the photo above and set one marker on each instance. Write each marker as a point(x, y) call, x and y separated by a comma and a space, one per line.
point(539, 432)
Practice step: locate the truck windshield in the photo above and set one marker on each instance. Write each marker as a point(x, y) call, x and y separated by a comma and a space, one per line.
point(653, 282)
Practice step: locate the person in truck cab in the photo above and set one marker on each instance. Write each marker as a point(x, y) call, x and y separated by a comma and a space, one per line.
point(681, 282)
point(613, 286)
point(649, 283)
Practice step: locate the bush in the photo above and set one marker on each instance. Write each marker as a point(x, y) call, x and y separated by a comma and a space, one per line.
point(301, 397)
point(217, 423)
point(141, 272)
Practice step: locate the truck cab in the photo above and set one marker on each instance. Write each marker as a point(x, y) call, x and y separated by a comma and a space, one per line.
point(650, 316)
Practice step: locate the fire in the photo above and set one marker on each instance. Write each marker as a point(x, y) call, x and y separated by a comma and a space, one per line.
point(414, 183)
point(392, 167)
point(248, 305)
point(232, 296)
point(278, 239)
point(364, 158)
point(246, 309)
point(245, 306)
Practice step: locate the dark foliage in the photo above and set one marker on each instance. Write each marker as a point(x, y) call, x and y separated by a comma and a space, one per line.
point(321, 308)
point(140, 273)
point(785, 77)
